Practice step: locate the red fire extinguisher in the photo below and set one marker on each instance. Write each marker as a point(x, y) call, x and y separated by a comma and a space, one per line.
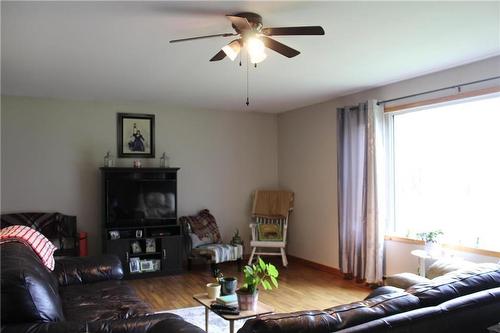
point(83, 244)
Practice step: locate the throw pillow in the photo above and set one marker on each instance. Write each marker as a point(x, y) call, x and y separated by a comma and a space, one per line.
point(203, 225)
point(447, 265)
point(404, 280)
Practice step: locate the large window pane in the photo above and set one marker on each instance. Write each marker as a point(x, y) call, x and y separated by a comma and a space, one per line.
point(447, 172)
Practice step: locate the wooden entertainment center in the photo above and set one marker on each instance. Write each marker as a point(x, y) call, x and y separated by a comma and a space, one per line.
point(140, 220)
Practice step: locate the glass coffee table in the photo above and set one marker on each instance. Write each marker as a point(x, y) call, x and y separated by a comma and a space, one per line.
point(206, 302)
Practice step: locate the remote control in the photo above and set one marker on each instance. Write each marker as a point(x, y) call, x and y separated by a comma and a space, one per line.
point(216, 306)
point(228, 312)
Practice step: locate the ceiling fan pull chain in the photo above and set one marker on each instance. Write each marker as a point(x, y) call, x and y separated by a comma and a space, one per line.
point(248, 100)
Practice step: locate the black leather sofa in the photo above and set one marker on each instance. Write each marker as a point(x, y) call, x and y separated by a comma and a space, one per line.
point(465, 301)
point(83, 294)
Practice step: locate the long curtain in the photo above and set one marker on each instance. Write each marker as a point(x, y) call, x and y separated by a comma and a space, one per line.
point(361, 197)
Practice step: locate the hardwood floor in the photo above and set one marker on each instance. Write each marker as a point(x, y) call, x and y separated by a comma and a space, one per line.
point(300, 288)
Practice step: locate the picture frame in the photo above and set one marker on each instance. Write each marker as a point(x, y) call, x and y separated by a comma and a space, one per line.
point(146, 266)
point(114, 234)
point(150, 245)
point(136, 247)
point(135, 266)
point(136, 135)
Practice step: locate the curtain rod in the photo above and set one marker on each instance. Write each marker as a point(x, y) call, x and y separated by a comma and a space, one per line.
point(459, 86)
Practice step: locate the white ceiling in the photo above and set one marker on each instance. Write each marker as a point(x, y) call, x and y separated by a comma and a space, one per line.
point(119, 51)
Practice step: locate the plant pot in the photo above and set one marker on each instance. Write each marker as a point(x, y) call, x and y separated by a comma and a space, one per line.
point(228, 285)
point(213, 290)
point(247, 301)
point(432, 248)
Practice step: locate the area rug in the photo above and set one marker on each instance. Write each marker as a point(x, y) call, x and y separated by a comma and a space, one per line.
point(196, 316)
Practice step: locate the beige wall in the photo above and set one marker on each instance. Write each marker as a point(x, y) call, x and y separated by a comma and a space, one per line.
point(52, 149)
point(307, 159)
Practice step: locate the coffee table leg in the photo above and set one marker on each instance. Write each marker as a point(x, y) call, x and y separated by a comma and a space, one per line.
point(231, 326)
point(206, 319)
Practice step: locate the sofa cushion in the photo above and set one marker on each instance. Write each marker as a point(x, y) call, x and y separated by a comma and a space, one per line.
point(296, 322)
point(29, 290)
point(101, 301)
point(404, 280)
point(370, 309)
point(457, 283)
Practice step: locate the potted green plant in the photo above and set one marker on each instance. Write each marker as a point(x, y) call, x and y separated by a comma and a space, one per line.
point(260, 274)
point(236, 238)
point(431, 239)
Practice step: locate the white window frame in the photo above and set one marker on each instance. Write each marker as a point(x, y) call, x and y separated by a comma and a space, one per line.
point(391, 229)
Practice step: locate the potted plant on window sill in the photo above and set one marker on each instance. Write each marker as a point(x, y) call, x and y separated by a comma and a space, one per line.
point(431, 240)
point(260, 274)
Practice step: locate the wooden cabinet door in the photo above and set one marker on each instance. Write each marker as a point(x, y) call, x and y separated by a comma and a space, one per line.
point(172, 254)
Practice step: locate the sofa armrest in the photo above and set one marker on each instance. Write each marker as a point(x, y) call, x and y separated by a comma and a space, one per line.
point(81, 270)
point(297, 322)
point(155, 323)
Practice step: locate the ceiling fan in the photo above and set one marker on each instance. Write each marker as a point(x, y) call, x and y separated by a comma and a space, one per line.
point(255, 38)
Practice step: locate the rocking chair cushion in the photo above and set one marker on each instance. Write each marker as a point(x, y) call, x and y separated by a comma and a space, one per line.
point(203, 225)
point(270, 232)
point(196, 241)
point(218, 253)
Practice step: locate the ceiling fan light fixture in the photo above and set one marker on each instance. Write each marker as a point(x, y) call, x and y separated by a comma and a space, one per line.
point(232, 49)
point(255, 47)
point(257, 58)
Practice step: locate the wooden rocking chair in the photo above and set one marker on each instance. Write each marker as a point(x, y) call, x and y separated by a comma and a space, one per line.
point(270, 213)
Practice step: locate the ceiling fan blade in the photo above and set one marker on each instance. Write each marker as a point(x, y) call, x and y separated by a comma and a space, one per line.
point(284, 31)
point(240, 23)
point(219, 56)
point(274, 45)
point(201, 37)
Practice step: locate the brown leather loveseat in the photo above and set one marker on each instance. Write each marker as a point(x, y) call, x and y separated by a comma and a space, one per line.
point(463, 301)
point(83, 294)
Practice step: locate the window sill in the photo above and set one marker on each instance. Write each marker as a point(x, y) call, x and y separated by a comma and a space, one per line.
point(454, 247)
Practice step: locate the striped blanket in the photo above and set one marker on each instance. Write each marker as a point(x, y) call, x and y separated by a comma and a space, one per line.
point(220, 252)
point(43, 248)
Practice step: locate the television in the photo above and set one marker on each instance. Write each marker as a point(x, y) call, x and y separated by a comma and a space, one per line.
point(140, 202)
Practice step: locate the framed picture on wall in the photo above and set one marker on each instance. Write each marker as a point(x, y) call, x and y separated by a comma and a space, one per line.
point(136, 135)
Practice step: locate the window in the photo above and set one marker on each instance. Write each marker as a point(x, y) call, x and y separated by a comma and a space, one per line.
point(446, 171)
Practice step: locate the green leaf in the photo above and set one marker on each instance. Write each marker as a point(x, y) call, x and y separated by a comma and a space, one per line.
point(266, 285)
point(262, 264)
point(248, 270)
point(275, 282)
point(272, 271)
